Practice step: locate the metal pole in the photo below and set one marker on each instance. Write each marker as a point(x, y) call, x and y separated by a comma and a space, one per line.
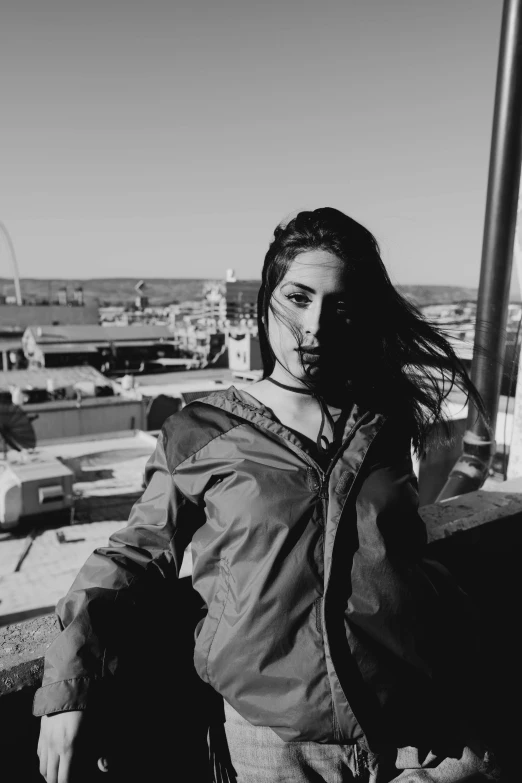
point(472, 467)
point(514, 466)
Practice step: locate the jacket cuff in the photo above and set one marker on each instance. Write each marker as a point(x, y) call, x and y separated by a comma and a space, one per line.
point(79, 693)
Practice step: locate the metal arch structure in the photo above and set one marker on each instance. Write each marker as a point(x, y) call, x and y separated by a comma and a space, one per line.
point(14, 264)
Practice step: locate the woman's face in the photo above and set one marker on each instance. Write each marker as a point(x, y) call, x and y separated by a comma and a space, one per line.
point(309, 318)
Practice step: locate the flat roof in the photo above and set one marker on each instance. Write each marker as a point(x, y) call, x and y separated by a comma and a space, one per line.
point(61, 377)
point(68, 348)
point(177, 384)
point(10, 345)
point(186, 377)
point(74, 333)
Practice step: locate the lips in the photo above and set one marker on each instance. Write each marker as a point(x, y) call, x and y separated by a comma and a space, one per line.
point(310, 355)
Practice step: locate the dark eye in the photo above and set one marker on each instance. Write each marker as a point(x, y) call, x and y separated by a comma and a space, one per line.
point(298, 299)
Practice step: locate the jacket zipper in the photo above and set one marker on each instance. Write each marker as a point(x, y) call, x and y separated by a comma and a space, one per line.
point(324, 476)
point(327, 585)
point(323, 488)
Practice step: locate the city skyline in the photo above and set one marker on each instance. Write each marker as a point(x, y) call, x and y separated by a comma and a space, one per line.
point(169, 141)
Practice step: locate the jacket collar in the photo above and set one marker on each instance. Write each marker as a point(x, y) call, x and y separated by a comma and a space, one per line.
point(241, 405)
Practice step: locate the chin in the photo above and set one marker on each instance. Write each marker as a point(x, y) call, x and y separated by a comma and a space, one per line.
point(313, 371)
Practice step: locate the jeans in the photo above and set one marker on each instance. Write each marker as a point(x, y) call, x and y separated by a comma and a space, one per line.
point(258, 755)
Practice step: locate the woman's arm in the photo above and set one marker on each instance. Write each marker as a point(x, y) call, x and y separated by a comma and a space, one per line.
point(97, 612)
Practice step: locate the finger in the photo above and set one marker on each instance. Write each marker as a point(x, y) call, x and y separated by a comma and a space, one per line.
point(42, 755)
point(64, 768)
point(39, 747)
point(103, 764)
point(53, 761)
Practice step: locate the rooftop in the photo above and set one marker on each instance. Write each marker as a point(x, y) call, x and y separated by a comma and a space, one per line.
point(62, 377)
point(10, 344)
point(96, 334)
point(185, 382)
point(39, 563)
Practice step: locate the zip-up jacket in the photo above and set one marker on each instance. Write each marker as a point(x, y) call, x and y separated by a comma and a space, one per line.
point(321, 619)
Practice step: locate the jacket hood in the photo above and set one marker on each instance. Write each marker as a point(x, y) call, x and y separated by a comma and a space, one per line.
point(240, 404)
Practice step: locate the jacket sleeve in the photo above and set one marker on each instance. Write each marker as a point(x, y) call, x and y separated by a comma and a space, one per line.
point(101, 607)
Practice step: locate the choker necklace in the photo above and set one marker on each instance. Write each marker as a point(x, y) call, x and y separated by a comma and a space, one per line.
point(296, 389)
point(322, 441)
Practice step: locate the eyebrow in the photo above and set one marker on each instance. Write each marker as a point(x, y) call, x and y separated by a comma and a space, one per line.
point(306, 287)
point(300, 285)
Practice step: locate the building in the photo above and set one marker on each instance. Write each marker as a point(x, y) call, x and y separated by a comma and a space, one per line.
point(244, 353)
point(19, 317)
point(112, 349)
point(11, 352)
point(169, 393)
point(241, 296)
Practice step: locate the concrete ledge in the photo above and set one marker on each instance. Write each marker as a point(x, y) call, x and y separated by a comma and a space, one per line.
point(22, 616)
point(471, 511)
point(22, 650)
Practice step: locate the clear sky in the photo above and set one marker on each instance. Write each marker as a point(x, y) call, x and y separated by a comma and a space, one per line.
point(155, 138)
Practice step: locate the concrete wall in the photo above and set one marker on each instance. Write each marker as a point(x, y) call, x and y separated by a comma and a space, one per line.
point(67, 418)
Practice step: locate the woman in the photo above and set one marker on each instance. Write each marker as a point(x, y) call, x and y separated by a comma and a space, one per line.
point(323, 625)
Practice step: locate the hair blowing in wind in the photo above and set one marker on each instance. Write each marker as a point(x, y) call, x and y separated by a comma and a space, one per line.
point(396, 362)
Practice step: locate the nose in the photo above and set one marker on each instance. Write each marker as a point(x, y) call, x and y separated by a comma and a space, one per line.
point(314, 319)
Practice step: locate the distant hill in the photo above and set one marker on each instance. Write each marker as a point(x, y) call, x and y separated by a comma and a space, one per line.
point(163, 291)
point(110, 291)
point(437, 294)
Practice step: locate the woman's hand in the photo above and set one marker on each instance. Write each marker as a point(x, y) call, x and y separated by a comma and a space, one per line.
point(60, 746)
point(436, 776)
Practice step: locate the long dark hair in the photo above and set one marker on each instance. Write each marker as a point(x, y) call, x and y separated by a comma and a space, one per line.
point(403, 364)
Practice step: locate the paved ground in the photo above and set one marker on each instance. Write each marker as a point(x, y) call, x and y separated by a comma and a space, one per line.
point(37, 568)
point(49, 567)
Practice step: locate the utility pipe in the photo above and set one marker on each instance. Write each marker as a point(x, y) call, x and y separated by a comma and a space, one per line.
point(472, 467)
